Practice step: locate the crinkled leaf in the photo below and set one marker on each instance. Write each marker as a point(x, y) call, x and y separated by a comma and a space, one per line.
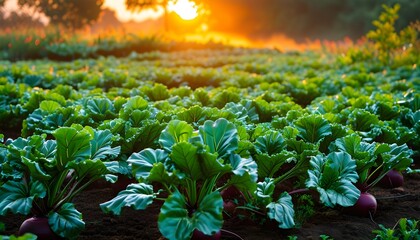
point(344, 165)
point(67, 221)
point(101, 145)
point(138, 196)
point(49, 106)
point(136, 103)
point(398, 157)
point(72, 145)
point(16, 197)
point(194, 115)
point(144, 137)
point(269, 165)
point(352, 144)
point(301, 146)
point(211, 166)
point(332, 177)
point(271, 143)
point(49, 148)
point(290, 132)
point(143, 161)
point(220, 136)
point(137, 117)
point(362, 120)
point(265, 191)
point(282, 211)
point(244, 183)
point(100, 106)
point(240, 166)
point(36, 170)
point(185, 157)
point(176, 222)
point(159, 174)
point(313, 128)
point(175, 132)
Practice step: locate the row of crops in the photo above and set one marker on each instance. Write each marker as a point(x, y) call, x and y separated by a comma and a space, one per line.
point(201, 131)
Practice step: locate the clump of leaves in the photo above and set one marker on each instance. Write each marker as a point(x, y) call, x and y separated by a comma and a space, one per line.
point(406, 229)
point(305, 209)
point(27, 236)
point(387, 41)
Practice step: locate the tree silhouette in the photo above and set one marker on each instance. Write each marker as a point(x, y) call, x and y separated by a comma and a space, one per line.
point(139, 5)
point(72, 14)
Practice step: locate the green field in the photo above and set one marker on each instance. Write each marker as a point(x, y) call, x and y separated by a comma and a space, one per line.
point(194, 123)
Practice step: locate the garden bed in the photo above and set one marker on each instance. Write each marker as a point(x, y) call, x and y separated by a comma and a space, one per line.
point(393, 204)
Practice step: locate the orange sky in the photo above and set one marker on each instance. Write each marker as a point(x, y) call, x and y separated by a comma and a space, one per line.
point(117, 5)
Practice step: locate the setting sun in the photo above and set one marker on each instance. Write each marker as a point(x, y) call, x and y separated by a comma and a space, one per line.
point(186, 9)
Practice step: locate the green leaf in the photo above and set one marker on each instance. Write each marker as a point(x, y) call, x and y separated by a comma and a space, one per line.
point(211, 166)
point(269, 165)
point(159, 174)
point(244, 183)
point(177, 221)
point(265, 191)
point(135, 103)
point(175, 132)
point(362, 120)
point(100, 106)
point(220, 136)
point(101, 145)
point(271, 143)
point(89, 168)
point(17, 197)
point(332, 177)
point(49, 148)
point(282, 211)
point(138, 196)
point(118, 167)
point(313, 128)
point(143, 162)
point(397, 158)
point(344, 165)
point(72, 145)
point(193, 115)
point(240, 166)
point(49, 106)
point(67, 221)
point(35, 169)
point(185, 157)
point(144, 137)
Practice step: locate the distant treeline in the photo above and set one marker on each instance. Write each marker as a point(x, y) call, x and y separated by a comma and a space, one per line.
point(302, 19)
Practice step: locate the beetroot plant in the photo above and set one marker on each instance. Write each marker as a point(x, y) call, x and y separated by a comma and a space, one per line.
point(374, 161)
point(42, 177)
point(192, 167)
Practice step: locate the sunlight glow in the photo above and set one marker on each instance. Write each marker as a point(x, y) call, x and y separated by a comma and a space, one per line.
point(186, 9)
point(125, 15)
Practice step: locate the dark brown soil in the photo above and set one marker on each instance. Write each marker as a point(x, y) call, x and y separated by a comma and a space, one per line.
point(393, 204)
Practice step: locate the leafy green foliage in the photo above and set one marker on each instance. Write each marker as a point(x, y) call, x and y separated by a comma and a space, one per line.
point(137, 196)
point(17, 197)
point(176, 221)
point(175, 132)
point(220, 136)
point(387, 41)
point(67, 221)
point(407, 229)
point(43, 166)
point(282, 211)
point(333, 177)
point(313, 128)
